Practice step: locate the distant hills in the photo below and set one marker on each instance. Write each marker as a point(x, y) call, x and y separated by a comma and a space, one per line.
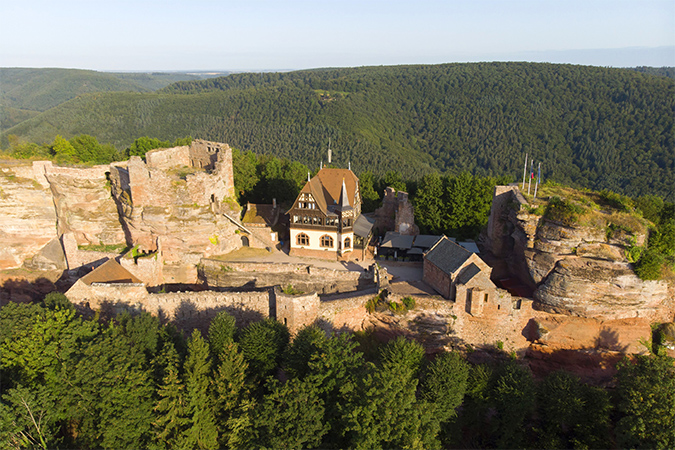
point(25, 92)
point(588, 126)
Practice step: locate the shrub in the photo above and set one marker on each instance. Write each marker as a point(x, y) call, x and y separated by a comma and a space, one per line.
point(409, 302)
point(371, 305)
point(649, 267)
point(290, 290)
point(563, 211)
point(618, 201)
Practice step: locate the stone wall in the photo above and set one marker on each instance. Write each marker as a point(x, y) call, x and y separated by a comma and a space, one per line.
point(396, 214)
point(190, 309)
point(167, 158)
point(296, 311)
point(76, 258)
point(302, 277)
point(437, 279)
point(345, 313)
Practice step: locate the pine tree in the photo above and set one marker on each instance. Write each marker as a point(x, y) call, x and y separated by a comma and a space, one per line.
point(221, 333)
point(229, 389)
point(171, 410)
point(201, 432)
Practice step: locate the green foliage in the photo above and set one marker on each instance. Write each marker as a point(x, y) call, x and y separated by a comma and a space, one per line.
point(444, 384)
point(369, 197)
point(221, 332)
point(619, 202)
point(290, 290)
point(650, 265)
point(409, 302)
point(372, 304)
point(564, 211)
point(230, 392)
point(513, 396)
point(201, 431)
point(307, 342)
point(572, 414)
point(290, 416)
point(263, 344)
point(63, 150)
point(650, 206)
point(646, 403)
point(57, 300)
point(609, 128)
point(170, 411)
point(244, 165)
point(28, 419)
point(108, 248)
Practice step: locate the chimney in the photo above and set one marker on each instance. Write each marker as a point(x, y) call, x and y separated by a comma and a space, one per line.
point(330, 153)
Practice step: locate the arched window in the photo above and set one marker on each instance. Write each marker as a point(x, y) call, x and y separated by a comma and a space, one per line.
point(303, 239)
point(326, 241)
point(348, 243)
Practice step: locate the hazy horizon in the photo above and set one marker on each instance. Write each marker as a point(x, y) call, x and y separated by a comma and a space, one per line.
point(264, 35)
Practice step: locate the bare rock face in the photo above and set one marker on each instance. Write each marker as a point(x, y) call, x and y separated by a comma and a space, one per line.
point(28, 219)
point(186, 207)
point(588, 287)
point(575, 270)
point(84, 205)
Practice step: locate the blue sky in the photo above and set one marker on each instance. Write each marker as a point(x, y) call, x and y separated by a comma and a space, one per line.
point(294, 34)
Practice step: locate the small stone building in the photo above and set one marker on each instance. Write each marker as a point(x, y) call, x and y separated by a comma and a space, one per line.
point(462, 276)
point(109, 283)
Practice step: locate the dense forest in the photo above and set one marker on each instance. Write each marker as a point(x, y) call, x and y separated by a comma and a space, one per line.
point(589, 126)
point(133, 382)
point(25, 92)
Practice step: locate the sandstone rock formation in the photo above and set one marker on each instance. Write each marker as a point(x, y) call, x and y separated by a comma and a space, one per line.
point(28, 219)
point(189, 207)
point(182, 196)
point(579, 270)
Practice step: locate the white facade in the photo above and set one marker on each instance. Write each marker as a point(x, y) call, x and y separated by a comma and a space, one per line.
point(315, 240)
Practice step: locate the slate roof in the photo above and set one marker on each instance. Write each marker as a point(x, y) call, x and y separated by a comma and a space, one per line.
point(363, 226)
point(110, 272)
point(396, 240)
point(468, 273)
point(447, 256)
point(425, 240)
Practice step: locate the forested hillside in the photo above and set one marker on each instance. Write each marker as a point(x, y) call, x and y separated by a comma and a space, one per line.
point(41, 89)
point(133, 382)
point(25, 92)
point(592, 127)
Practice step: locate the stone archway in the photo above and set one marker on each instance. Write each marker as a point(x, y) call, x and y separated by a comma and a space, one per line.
point(244, 241)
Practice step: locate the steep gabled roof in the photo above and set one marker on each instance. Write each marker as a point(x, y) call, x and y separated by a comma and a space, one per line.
point(110, 272)
point(447, 256)
point(326, 187)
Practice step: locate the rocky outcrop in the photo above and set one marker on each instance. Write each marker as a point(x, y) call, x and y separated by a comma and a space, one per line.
point(579, 270)
point(28, 219)
point(601, 289)
point(182, 195)
point(84, 205)
point(188, 207)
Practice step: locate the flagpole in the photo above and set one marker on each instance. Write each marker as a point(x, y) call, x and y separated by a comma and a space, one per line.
point(529, 182)
point(536, 185)
point(524, 171)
